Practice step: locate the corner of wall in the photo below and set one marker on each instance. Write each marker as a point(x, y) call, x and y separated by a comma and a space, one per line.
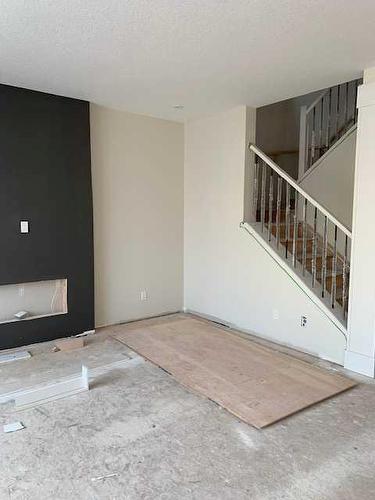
point(369, 75)
point(250, 135)
point(227, 274)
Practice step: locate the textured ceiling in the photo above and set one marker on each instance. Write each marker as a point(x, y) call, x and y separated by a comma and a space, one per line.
point(146, 56)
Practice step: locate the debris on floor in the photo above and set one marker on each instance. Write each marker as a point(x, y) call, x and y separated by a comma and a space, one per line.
point(13, 427)
point(84, 334)
point(14, 356)
point(56, 390)
point(103, 478)
point(21, 314)
point(68, 386)
point(70, 343)
point(214, 455)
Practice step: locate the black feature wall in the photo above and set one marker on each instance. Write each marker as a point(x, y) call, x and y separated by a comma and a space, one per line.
point(45, 178)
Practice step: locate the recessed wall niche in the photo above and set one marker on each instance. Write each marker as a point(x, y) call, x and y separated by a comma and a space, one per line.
point(25, 301)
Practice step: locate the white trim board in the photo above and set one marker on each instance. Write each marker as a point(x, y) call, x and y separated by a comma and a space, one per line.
point(40, 395)
point(359, 363)
point(142, 318)
point(14, 356)
point(124, 363)
point(68, 386)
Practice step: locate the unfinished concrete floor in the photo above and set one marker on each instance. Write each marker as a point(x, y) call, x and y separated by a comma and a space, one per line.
point(156, 440)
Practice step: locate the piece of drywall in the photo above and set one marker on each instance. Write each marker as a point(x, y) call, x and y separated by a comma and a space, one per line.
point(227, 274)
point(45, 179)
point(331, 182)
point(137, 168)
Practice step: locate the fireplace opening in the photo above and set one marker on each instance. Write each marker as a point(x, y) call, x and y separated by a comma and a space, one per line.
point(37, 299)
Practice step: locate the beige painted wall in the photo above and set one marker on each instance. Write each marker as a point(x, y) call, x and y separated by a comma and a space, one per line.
point(228, 275)
point(137, 168)
point(139, 223)
point(331, 183)
point(369, 75)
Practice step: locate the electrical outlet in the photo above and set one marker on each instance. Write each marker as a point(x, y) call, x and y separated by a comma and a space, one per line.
point(143, 295)
point(24, 226)
point(21, 291)
point(275, 314)
point(303, 321)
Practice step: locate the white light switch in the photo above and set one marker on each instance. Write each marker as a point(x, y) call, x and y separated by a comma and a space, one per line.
point(24, 226)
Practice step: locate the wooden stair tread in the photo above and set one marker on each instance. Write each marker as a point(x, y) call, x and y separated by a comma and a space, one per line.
point(276, 225)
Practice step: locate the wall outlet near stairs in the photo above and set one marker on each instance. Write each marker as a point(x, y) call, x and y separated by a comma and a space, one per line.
point(143, 295)
point(303, 321)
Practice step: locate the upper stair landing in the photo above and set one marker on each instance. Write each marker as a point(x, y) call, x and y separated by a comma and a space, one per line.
point(326, 121)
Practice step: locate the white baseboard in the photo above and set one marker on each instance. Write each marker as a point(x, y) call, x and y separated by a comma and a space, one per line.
point(256, 336)
point(360, 363)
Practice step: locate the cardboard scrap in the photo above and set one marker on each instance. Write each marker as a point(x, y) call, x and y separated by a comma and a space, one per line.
point(70, 343)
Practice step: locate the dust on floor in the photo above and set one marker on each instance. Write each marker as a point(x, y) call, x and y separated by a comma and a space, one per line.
point(138, 434)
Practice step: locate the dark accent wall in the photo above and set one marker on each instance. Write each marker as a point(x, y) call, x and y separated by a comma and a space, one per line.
point(45, 178)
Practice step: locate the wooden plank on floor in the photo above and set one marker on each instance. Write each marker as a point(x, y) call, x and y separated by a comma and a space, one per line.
point(255, 383)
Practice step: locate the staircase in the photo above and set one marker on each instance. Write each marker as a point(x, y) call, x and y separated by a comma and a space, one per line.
point(300, 233)
point(314, 260)
point(329, 119)
point(307, 240)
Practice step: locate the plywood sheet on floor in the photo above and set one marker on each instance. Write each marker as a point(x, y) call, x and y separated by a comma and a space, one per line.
point(257, 384)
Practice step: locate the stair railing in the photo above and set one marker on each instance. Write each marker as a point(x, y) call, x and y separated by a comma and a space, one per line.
point(302, 230)
point(325, 121)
